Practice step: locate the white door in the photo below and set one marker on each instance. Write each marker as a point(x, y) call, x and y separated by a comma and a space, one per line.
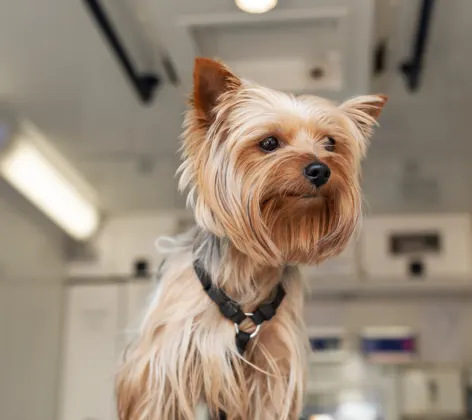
point(447, 384)
point(434, 391)
point(90, 352)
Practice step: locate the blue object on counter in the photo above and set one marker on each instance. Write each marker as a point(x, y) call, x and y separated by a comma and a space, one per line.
point(325, 343)
point(389, 345)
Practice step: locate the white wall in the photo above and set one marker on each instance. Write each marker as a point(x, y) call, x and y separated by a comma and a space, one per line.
point(31, 274)
point(122, 241)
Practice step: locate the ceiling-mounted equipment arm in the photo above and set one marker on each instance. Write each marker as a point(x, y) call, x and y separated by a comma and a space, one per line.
point(412, 68)
point(145, 84)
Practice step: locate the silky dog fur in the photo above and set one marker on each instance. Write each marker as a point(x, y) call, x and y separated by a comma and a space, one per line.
point(257, 218)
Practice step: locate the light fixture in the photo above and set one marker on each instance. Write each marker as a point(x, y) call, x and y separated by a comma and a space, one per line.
point(256, 6)
point(44, 177)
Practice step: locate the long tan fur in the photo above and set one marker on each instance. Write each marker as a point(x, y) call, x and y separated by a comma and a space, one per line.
point(255, 224)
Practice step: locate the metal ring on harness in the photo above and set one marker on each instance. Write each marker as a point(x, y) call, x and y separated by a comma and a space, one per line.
point(256, 331)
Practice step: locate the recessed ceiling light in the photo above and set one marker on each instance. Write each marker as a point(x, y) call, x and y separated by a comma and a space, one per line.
point(256, 6)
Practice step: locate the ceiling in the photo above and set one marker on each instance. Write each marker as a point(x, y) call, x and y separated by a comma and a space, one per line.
point(57, 70)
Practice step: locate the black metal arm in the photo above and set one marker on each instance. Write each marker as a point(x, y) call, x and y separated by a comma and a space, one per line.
point(412, 68)
point(145, 84)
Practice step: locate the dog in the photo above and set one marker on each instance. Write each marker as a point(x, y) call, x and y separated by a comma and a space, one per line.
point(274, 182)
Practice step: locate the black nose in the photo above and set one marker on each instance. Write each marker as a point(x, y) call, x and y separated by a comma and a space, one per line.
point(317, 173)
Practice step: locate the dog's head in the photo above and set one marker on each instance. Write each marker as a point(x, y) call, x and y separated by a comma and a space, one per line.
point(277, 175)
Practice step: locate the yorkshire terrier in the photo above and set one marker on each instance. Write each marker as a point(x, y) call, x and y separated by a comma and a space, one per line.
point(274, 182)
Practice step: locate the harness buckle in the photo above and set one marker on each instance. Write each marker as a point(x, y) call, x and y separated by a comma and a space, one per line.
point(256, 331)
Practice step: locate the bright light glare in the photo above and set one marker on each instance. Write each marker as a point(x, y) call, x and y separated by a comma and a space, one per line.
point(356, 410)
point(35, 177)
point(256, 6)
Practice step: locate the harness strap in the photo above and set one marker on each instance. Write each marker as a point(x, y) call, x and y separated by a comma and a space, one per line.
point(232, 310)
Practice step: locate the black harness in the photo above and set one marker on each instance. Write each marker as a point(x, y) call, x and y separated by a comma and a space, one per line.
point(232, 311)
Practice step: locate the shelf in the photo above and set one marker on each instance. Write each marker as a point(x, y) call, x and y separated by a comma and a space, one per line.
point(328, 358)
point(361, 288)
point(433, 416)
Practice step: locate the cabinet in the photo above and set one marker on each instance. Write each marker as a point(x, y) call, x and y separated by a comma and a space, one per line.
point(419, 248)
point(90, 352)
point(100, 318)
point(435, 392)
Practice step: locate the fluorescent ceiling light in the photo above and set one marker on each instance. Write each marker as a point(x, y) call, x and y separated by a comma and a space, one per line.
point(49, 182)
point(256, 6)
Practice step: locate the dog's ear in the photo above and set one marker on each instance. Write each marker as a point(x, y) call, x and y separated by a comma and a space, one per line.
point(364, 111)
point(211, 79)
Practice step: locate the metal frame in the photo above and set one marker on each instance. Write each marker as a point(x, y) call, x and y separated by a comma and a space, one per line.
point(413, 67)
point(145, 84)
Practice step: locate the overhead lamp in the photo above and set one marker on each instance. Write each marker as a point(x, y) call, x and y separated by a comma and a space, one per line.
point(256, 6)
point(45, 178)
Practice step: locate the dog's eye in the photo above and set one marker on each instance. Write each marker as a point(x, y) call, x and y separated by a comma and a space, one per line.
point(269, 144)
point(330, 144)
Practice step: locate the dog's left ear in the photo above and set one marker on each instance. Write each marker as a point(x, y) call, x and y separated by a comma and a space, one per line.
point(364, 111)
point(211, 79)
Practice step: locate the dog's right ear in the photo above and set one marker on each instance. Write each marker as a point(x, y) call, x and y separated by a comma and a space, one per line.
point(211, 79)
point(364, 111)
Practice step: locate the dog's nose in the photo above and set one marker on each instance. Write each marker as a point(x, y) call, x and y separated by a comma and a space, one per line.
point(317, 173)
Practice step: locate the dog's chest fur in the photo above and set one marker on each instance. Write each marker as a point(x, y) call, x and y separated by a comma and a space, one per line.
point(195, 355)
